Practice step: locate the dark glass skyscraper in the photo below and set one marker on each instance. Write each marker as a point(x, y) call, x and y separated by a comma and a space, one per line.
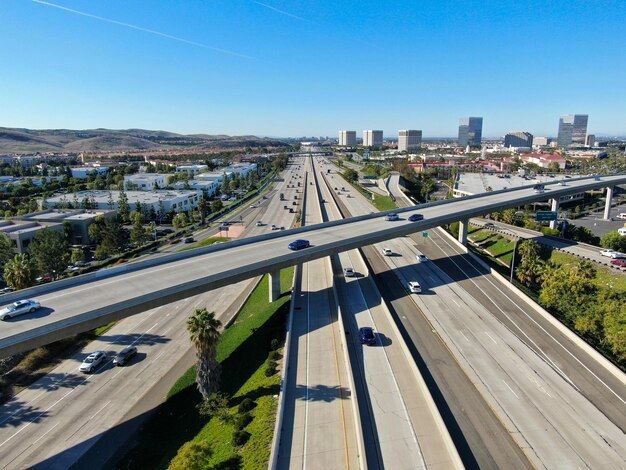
point(470, 131)
point(572, 130)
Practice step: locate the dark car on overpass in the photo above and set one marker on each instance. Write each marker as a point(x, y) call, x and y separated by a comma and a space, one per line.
point(299, 244)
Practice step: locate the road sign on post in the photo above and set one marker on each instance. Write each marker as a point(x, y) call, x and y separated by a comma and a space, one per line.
point(425, 234)
point(546, 216)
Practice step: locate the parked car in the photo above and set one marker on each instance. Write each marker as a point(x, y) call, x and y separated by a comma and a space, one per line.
point(367, 335)
point(19, 307)
point(416, 217)
point(391, 217)
point(387, 251)
point(414, 287)
point(125, 355)
point(299, 244)
point(619, 262)
point(92, 361)
point(421, 258)
point(348, 272)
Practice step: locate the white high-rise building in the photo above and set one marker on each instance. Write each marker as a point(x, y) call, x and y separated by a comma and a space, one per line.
point(409, 140)
point(372, 138)
point(347, 138)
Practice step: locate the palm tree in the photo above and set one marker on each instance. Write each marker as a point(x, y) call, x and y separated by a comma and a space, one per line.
point(19, 272)
point(204, 333)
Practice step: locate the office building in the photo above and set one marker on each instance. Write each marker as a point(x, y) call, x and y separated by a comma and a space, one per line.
point(145, 181)
point(347, 138)
point(470, 131)
point(518, 139)
point(540, 141)
point(372, 138)
point(572, 130)
point(409, 140)
point(591, 140)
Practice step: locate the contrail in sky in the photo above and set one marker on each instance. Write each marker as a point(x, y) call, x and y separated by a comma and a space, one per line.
point(291, 15)
point(282, 12)
point(145, 30)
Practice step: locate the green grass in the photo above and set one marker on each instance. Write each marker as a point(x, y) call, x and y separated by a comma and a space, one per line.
point(605, 277)
point(382, 203)
point(242, 352)
point(208, 242)
point(497, 244)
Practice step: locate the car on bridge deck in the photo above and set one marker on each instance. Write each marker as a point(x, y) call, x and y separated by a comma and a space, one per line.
point(414, 287)
point(421, 258)
point(299, 244)
point(19, 307)
point(367, 335)
point(416, 217)
point(391, 217)
point(387, 251)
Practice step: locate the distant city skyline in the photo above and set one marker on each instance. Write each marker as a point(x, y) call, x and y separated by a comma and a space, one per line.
point(244, 67)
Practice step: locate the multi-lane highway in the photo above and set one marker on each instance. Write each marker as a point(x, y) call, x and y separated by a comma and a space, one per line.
point(148, 284)
point(562, 406)
point(69, 417)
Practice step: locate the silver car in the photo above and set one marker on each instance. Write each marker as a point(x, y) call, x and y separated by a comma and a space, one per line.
point(19, 307)
point(92, 361)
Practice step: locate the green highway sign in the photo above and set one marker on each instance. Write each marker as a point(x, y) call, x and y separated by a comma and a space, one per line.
point(546, 216)
point(425, 234)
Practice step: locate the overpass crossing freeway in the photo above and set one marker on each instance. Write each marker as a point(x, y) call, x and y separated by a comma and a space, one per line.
point(74, 305)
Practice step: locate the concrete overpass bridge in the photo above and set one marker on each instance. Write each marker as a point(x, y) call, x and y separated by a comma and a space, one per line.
point(78, 304)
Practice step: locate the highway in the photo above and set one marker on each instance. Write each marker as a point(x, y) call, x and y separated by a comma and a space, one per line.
point(320, 427)
point(405, 429)
point(563, 406)
point(68, 417)
point(151, 283)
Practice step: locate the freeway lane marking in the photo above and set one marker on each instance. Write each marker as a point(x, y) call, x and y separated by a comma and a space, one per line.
point(490, 337)
point(549, 360)
point(513, 392)
point(536, 323)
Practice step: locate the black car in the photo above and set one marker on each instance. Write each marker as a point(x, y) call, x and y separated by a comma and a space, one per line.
point(367, 335)
point(416, 217)
point(124, 356)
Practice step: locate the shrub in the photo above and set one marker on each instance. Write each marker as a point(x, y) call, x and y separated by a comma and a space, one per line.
point(242, 420)
point(274, 355)
point(274, 344)
point(271, 368)
point(240, 437)
point(246, 405)
point(192, 455)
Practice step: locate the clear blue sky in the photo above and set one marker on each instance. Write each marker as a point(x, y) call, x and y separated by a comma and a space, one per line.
point(301, 67)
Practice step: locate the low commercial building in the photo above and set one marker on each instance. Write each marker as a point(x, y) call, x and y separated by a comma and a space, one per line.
point(169, 200)
point(468, 184)
point(544, 160)
point(208, 187)
point(518, 139)
point(22, 230)
point(83, 172)
point(192, 169)
point(241, 168)
point(146, 181)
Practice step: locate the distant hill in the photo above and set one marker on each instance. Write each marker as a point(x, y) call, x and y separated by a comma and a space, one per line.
point(13, 140)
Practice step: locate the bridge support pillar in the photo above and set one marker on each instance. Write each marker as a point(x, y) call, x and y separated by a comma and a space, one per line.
point(555, 207)
point(274, 285)
point(463, 224)
point(609, 201)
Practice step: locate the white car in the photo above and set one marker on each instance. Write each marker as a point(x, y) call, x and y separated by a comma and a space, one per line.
point(259, 224)
point(253, 206)
point(391, 217)
point(612, 254)
point(92, 361)
point(421, 258)
point(19, 307)
point(387, 251)
point(349, 272)
point(414, 287)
